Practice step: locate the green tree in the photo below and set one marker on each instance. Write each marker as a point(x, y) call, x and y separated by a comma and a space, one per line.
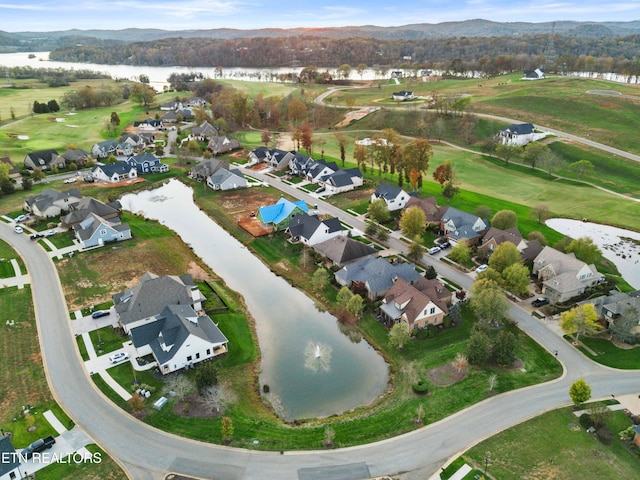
point(430, 272)
point(319, 280)
point(541, 212)
point(343, 297)
point(27, 183)
point(341, 140)
point(371, 228)
point(415, 159)
point(112, 159)
point(115, 119)
point(37, 175)
point(504, 255)
point(398, 336)
point(356, 306)
point(413, 222)
point(488, 301)
point(504, 219)
point(483, 211)
point(460, 253)
point(584, 249)
point(536, 235)
point(360, 68)
point(141, 93)
point(579, 392)
point(7, 186)
point(478, 348)
point(580, 320)
point(504, 348)
point(625, 327)
point(507, 152)
point(206, 376)
point(534, 152)
point(344, 71)
point(227, 429)
point(416, 249)
point(516, 278)
point(582, 168)
point(378, 211)
point(451, 189)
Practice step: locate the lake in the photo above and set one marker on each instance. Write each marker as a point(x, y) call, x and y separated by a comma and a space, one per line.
point(311, 367)
point(617, 244)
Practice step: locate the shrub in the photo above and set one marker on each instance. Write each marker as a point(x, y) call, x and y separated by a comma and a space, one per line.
point(422, 387)
point(604, 435)
point(585, 420)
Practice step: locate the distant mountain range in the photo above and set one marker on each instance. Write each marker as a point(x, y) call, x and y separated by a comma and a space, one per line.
point(40, 41)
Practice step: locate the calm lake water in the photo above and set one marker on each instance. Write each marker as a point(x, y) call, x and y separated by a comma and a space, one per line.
point(614, 242)
point(312, 369)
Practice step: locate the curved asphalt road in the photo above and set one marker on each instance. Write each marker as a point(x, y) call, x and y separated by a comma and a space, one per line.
point(147, 453)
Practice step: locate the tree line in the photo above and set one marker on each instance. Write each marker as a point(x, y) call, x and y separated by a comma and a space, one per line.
point(489, 55)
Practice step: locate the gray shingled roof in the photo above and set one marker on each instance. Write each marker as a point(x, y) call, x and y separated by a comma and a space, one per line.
point(151, 295)
point(377, 273)
point(9, 460)
point(342, 249)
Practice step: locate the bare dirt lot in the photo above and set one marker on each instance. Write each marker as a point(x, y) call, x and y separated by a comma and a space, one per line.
point(243, 206)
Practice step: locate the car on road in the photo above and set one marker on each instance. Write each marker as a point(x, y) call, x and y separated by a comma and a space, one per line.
point(36, 236)
point(540, 302)
point(70, 180)
point(482, 268)
point(18, 229)
point(434, 250)
point(21, 218)
point(118, 357)
point(100, 313)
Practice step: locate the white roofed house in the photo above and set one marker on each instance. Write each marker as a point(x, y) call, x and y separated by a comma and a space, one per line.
point(179, 337)
point(563, 276)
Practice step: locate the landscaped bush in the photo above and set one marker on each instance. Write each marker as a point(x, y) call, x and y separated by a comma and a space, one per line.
point(604, 435)
point(585, 420)
point(422, 387)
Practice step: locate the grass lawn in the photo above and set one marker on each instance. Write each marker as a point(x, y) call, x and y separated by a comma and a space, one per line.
point(6, 255)
point(107, 340)
point(100, 466)
point(610, 355)
point(547, 447)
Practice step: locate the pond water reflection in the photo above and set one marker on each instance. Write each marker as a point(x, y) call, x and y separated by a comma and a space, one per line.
point(312, 369)
point(620, 246)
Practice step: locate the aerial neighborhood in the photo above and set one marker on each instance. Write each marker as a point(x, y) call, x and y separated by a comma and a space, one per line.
point(345, 268)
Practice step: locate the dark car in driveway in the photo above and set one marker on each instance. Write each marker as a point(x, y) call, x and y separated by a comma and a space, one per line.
point(36, 236)
point(540, 302)
point(100, 313)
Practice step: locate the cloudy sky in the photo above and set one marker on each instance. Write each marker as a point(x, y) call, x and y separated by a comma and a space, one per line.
point(48, 15)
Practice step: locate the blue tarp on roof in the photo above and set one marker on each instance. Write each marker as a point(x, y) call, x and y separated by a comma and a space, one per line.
point(280, 210)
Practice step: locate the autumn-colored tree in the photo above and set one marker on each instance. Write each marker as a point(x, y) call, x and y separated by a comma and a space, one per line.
point(227, 429)
point(415, 157)
point(265, 136)
point(297, 110)
point(341, 140)
point(443, 173)
point(378, 211)
point(541, 212)
point(306, 137)
point(580, 320)
point(360, 156)
point(413, 222)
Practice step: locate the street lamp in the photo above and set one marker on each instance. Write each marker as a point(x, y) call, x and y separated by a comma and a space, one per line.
point(486, 462)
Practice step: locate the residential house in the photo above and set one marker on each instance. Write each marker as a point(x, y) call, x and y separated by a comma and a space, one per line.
point(170, 106)
point(537, 74)
point(204, 131)
point(395, 197)
point(636, 435)
point(458, 225)
point(104, 149)
point(495, 236)
point(179, 337)
point(195, 102)
point(50, 203)
point(563, 276)
point(279, 214)
point(150, 124)
point(14, 172)
point(176, 116)
point(77, 156)
point(207, 167)
point(9, 460)
point(321, 169)
point(310, 230)
point(147, 163)
point(432, 212)
point(612, 306)
point(300, 164)
point(519, 134)
point(414, 309)
point(341, 250)
point(259, 155)
point(79, 210)
point(137, 141)
point(375, 275)
point(139, 304)
point(342, 181)
point(43, 160)
point(222, 144)
point(114, 172)
point(95, 231)
point(278, 159)
point(402, 96)
point(124, 149)
point(225, 179)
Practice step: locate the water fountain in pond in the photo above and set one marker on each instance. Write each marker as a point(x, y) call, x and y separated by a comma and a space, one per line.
point(317, 357)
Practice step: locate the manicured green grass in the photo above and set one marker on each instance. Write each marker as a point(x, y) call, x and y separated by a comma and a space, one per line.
point(62, 239)
point(107, 340)
point(82, 348)
point(610, 355)
point(6, 254)
point(547, 447)
point(99, 466)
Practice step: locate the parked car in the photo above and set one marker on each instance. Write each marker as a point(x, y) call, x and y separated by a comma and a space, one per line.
point(100, 313)
point(36, 236)
point(49, 233)
point(70, 180)
point(118, 357)
point(540, 302)
point(18, 229)
point(482, 268)
point(433, 250)
point(21, 218)
point(444, 245)
point(89, 179)
point(38, 446)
